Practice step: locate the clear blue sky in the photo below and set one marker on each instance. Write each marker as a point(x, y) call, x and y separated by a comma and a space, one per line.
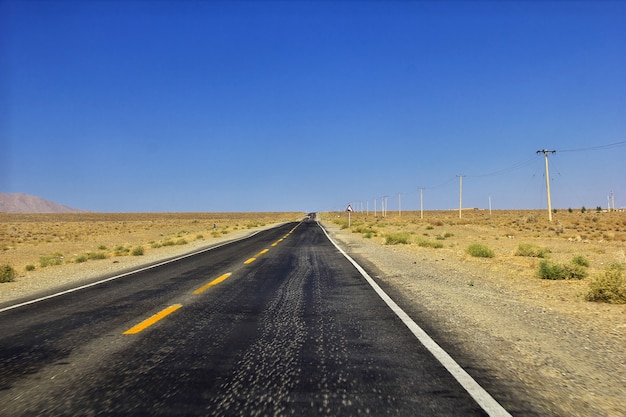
point(308, 106)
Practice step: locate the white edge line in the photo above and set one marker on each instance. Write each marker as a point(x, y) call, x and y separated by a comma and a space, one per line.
point(146, 268)
point(478, 393)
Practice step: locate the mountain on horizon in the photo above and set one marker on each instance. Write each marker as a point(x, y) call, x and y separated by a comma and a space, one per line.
point(26, 203)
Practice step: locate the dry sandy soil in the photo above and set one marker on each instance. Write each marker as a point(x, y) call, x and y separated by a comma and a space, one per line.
point(78, 240)
point(561, 354)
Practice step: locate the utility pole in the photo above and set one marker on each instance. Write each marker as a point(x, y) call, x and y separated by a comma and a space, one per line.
point(460, 194)
point(545, 153)
point(613, 199)
point(399, 206)
point(384, 205)
point(374, 207)
point(421, 204)
point(490, 205)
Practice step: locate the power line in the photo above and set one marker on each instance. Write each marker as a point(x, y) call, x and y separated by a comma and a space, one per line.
point(517, 165)
point(596, 148)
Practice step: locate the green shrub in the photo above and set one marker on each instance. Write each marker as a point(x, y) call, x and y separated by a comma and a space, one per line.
point(610, 287)
point(424, 243)
point(531, 250)
point(7, 273)
point(121, 250)
point(480, 251)
point(554, 271)
point(138, 251)
point(93, 256)
point(363, 229)
point(80, 259)
point(30, 267)
point(181, 241)
point(580, 261)
point(397, 238)
point(50, 260)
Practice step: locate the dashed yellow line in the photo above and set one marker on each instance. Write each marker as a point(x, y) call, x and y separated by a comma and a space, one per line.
point(249, 261)
point(212, 283)
point(149, 322)
point(263, 252)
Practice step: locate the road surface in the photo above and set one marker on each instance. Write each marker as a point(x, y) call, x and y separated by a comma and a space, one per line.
point(277, 324)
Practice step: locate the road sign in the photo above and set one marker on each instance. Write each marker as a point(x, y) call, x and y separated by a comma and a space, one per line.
point(349, 208)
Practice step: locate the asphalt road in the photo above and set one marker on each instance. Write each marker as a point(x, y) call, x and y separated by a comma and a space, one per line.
point(280, 323)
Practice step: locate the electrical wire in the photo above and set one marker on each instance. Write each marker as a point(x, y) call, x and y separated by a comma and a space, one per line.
point(596, 148)
point(516, 166)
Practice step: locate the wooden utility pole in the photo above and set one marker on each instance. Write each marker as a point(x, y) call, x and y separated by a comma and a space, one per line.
point(545, 153)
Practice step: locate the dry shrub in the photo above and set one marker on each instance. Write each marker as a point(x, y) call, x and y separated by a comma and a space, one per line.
point(397, 238)
point(531, 250)
point(610, 286)
point(480, 251)
point(7, 273)
point(554, 271)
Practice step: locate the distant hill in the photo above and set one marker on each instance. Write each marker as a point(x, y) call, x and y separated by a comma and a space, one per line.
point(25, 203)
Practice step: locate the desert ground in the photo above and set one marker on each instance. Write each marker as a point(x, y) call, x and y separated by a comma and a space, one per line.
point(541, 338)
point(48, 250)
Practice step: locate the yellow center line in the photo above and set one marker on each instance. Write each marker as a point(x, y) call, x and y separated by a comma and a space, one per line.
point(249, 261)
point(149, 322)
point(212, 283)
point(264, 251)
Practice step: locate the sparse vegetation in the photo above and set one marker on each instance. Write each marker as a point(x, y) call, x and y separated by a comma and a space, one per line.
point(80, 259)
point(24, 238)
point(610, 286)
point(51, 260)
point(555, 271)
point(363, 229)
point(93, 256)
point(137, 251)
point(398, 238)
point(480, 251)
point(580, 261)
point(425, 243)
point(121, 250)
point(531, 250)
point(7, 273)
